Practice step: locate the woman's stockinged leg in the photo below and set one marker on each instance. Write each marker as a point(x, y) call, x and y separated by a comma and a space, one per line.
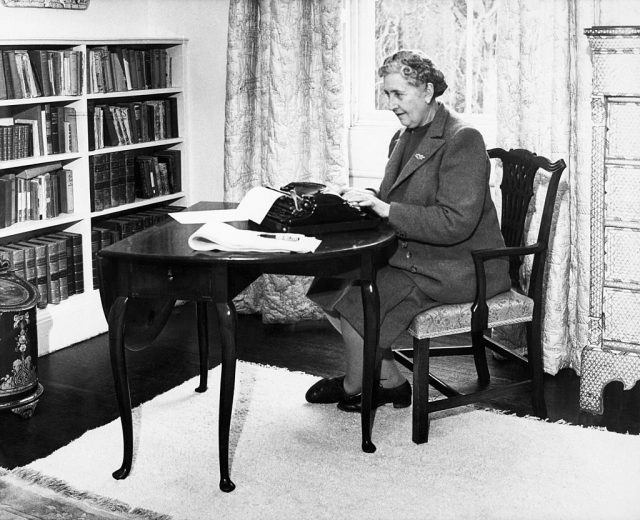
point(390, 376)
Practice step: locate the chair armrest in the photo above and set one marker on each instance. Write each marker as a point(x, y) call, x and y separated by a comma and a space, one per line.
point(480, 255)
point(479, 309)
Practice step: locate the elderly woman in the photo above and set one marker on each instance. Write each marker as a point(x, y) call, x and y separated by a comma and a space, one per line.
point(435, 195)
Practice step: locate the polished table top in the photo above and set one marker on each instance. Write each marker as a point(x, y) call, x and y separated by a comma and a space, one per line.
point(169, 241)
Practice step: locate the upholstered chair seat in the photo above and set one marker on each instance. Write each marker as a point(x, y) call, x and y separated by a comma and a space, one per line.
point(507, 308)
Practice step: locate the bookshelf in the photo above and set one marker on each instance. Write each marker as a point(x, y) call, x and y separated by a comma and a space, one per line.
point(139, 85)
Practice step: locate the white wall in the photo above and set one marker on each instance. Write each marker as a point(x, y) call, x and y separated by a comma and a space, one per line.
point(203, 22)
point(617, 12)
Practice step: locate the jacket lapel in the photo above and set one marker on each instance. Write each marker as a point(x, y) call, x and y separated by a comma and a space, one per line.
point(429, 145)
point(392, 169)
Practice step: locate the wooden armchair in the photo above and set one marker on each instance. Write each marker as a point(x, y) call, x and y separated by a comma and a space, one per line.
point(519, 170)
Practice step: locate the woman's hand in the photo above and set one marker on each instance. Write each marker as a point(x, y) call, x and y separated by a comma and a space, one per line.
point(365, 199)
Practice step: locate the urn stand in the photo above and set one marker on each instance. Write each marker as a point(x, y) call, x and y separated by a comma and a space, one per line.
point(19, 386)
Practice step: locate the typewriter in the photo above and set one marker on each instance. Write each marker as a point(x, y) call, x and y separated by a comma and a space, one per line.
point(305, 208)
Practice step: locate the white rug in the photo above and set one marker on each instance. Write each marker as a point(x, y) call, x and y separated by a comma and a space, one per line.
point(291, 459)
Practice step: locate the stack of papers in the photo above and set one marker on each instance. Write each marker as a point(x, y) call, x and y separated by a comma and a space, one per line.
point(254, 206)
point(219, 236)
point(216, 235)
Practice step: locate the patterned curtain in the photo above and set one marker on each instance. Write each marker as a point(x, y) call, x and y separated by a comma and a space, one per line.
point(537, 102)
point(284, 118)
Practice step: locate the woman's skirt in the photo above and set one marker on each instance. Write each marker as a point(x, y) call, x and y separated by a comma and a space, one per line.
point(400, 301)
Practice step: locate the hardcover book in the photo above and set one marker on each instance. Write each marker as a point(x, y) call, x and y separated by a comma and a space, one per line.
point(29, 255)
point(75, 264)
point(61, 248)
point(117, 177)
point(130, 176)
point(99, 182)
point(52, 267)
point(11, 75)
point(40, 62)
point(41, 270)
point(172, 159)
point(66, 263)
point(3, 83)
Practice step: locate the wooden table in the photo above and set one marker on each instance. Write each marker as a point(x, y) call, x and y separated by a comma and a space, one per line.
point(141, 276)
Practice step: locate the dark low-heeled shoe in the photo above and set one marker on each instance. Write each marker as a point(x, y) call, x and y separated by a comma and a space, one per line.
point(399, 395)
point(327, 391)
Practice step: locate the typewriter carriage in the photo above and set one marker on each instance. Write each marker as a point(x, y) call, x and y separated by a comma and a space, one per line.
point(307, 208)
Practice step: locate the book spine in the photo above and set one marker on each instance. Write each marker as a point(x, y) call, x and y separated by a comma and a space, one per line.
point(99, 180)
point(53, 259)
point(54, 126)
point(67, 176)
point(29, 262)
point(67, 243)
point(70, 119)
point(76, 259)
point(10, 200)
point(54, 187)
point(40, 259)
point(52, 267)
point(117, 168)
point(130, 177)
point(6, 63)
point(63, 266)
point(95, 247)
point(62, 142)
point(78, 266)
point(3, 82)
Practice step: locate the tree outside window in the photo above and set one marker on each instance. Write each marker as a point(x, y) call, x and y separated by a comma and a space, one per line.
point(458, 35)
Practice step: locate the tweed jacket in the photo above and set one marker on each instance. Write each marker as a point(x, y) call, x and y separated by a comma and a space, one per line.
point(441, 210)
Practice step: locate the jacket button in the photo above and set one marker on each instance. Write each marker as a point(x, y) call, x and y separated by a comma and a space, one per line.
point(414, 269)
point(408, 255)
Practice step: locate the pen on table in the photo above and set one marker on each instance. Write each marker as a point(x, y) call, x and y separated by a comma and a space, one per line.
point(279, 237)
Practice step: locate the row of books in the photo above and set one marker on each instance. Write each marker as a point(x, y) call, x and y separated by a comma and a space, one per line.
point(129, 123)
point(158, 174)
point(108, 231)
point(119, 177)
point(118, 69)
point(52, 262)
point(35, 73)
point(35, 193)
point(38, 130)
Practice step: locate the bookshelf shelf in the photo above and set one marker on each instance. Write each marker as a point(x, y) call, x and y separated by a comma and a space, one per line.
point(138, 204)
point(38, 100)
point(22, 228)
point(40, 159)
point(136, 146)
point(154, 72)
point(134, 93)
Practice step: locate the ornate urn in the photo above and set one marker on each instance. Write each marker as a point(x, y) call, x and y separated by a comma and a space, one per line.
point(19, 386)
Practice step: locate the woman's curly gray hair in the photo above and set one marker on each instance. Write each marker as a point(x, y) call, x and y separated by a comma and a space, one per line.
point(416, 68)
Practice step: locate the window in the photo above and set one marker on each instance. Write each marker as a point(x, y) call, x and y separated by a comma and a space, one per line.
point(458, 35)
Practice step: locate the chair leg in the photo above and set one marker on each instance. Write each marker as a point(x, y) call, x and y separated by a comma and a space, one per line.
point(534, 347)
point(480, 358)
point(420, 433)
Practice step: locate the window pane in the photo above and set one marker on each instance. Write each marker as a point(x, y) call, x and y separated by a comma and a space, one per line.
point(458, 35)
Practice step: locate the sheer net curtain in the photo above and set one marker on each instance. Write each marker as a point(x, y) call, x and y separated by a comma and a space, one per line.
point(284, 118)
point(537, 106)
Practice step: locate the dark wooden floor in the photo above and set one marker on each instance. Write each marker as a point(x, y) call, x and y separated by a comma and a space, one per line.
point(79, 391)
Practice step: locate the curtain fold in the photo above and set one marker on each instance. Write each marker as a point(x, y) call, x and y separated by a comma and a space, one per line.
point(537, 106)
point(284, 118)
